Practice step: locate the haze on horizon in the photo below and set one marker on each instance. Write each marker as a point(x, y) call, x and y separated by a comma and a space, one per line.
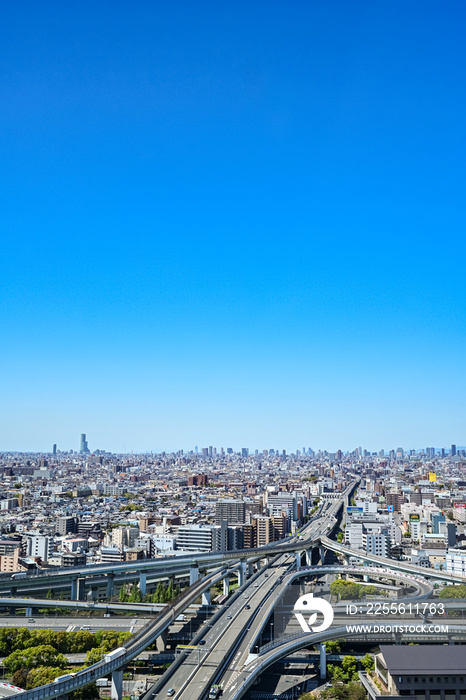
point(233, 225)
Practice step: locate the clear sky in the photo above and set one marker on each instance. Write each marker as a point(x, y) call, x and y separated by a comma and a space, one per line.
point(232, 224)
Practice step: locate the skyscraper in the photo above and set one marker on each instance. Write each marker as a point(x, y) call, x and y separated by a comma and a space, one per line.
point(453, 450)
point(84, 449)
point(54, 450)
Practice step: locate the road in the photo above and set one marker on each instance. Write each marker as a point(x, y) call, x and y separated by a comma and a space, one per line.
point(227, 644)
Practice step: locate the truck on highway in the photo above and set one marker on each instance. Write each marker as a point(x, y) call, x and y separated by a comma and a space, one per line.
point(115, 654)
point(215, 692)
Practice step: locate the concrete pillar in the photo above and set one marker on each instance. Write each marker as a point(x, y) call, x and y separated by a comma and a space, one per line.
point(226, 585)
point(74, 589)
point(29, 612)
point(161, 641)
point(193, 575)
point(250, 568)
point(110, 584)
point(206, 597)
point(298, 560)
point(242, 574)
point(12, 610)
point(322, 554)
point(308, 557)
point(77, 588)
point(143, 582)
point(365, 578)
point(117, 685)
point(323, 662)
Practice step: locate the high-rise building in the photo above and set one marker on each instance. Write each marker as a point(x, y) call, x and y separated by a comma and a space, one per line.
point(84, 449)
point(54, 450)
point(244, 452)
point(453, 450)
point(231, 510)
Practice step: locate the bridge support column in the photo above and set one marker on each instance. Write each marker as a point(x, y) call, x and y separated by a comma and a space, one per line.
point(226, 585)
point(12, 610)
point(323, 662)
point(161, 641)
point(206, 597)
point(308, 557)
point(78, 588)
point(143, 582)
point(117, 685)
point(365, 578)
point(250, 568)
point(110, 584)
point(242, 574)
point(322, 554)
point(74, 589)
point(193, 575)
point(29, 612)
point(298, 561)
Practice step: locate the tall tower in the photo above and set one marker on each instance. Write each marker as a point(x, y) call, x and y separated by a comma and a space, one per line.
point(54, 450)
point(84, 449)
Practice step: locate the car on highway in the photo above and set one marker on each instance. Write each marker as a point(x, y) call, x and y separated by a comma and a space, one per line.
point(201, 643)
point(85, 628)
point(228, 617)
point(31, 619)
point(171, 692)
point(248, 607)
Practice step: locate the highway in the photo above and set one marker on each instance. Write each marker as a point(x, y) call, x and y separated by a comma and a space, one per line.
point(227, 644)
point(239, 618)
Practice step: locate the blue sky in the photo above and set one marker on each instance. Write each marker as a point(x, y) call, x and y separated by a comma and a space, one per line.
point(236, 224)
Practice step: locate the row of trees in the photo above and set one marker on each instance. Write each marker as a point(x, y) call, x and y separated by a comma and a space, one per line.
point(35, 677)
point(13, 639)
point(162, 594)
point(348, 590)
point(453, 592)
point(348, 669)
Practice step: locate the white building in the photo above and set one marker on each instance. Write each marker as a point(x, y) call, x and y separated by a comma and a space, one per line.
point(40, 546)
point(455, 562)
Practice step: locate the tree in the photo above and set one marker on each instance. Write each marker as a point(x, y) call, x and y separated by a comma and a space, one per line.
point(43, 655)
point(350, 667)
point(35, 677)
point(367, 662)
point(87, 692)
point(340, 537)
point(333, 646)
point(453, 592)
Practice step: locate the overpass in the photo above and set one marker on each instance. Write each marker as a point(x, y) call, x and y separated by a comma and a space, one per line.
point(279, 649)
point(394, 564)
point(147, 636)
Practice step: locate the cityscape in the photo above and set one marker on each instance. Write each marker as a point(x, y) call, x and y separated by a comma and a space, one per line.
point(232, 407)
point(94, 541)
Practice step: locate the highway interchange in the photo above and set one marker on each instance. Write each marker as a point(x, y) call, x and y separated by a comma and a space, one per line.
point(226, 647)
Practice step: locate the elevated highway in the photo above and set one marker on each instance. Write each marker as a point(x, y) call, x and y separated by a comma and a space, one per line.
point(393, 564)
point(147, 636)
point(280, 649)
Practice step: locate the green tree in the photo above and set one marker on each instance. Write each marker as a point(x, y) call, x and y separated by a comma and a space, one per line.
point(350, 667)
point(49, 595)
point(43, 655)
point(367, 662)
point(87, 692)
point(453, 592)
point(340, 537)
